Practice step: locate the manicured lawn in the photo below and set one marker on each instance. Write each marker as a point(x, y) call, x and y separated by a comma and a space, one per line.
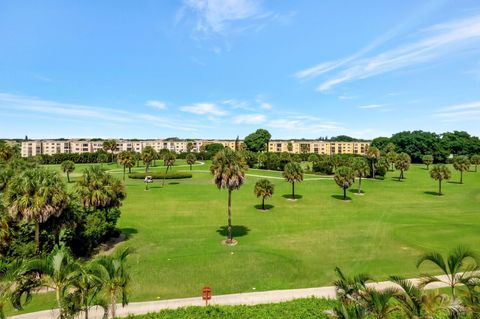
point(176, 231)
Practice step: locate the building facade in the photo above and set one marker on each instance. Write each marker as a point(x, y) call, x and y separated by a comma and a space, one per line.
point(38, 147)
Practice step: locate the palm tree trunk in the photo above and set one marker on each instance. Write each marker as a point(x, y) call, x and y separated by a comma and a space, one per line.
point(68, 177)
point(124, 172)
point(439, 187)
point(461, 177)
point(190, 166)
point(293, 190)
point(113, 300)
point(263, 203)
point(360, 185)
point(166, 171)
point(59, 303)
point(37, 236)
point(2, 313)
point(229, 228)
point(344, 193)
point(373, 169)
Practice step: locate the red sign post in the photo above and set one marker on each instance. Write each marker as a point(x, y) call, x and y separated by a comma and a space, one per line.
point(206, 294)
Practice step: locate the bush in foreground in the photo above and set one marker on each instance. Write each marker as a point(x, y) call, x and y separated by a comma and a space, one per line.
point(160, 175)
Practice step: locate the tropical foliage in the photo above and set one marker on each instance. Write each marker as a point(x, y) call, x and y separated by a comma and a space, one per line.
point(264, 189)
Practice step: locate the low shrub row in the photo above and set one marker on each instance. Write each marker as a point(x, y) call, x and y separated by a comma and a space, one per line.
point(160, 175)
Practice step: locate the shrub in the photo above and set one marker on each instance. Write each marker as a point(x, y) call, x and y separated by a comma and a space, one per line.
point(160, 175)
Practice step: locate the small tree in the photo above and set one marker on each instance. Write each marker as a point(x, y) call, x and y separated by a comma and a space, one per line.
point(67, 168)
point(427, 160)
point(373, 154)
point(313, 158)
point(102, 158)
point(191, 159)
point(168, 161)
point(392, 157)
point(344, 177)
point(148, 154)
point(475, 160)
point(263, 188)
point(461, 164)
point(262, 159)
point(293, 173)
point(439, 173)
point(402, 163)
point(360, 169)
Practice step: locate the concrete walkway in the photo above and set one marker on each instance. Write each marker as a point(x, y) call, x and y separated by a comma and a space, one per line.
point(251, 298)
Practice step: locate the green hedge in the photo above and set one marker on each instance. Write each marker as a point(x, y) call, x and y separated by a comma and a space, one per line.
point(160, 175)
point(311, 308)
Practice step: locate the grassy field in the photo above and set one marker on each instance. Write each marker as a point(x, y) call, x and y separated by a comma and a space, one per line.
point(176, 231)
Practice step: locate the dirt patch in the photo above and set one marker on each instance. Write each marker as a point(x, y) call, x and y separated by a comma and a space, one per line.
point(108, 247)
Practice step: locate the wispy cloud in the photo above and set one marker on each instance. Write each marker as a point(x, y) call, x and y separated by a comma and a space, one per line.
point(436, 41)
point(204, 109)
point(371, 106)
point(156, 104)
point(249, 119)
point(304, 125)
point(460, 112)
point(62, 110)
point(237, 104)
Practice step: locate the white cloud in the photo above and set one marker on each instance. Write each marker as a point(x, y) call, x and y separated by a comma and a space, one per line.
point(156, 104)
point(249, 119)
point(460, 112)
point(304, 125)
point(437, 41)
point(237, 104)
point(371, 106)
point(204, 109)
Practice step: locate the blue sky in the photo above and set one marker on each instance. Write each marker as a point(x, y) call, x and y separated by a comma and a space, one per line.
point(222, 68)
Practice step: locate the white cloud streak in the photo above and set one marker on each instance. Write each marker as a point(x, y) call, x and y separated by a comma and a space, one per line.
point(460, 112)
point(371, 106)
point(249, 119)
point(156, 104)
point(204, 109)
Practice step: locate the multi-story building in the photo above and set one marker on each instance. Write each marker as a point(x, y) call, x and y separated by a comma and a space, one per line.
point(38, 147)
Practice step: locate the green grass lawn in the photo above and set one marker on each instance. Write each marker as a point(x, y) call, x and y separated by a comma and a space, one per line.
point(176, 231)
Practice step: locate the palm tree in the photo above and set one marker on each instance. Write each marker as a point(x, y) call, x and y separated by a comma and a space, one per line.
point(115, 277)
point(455, 267)
point(36, 195)
point(110, 145)
point(262, 159)
point(293, 173)
point(102, 158)
point(379, 302)
point(87, 284)
point(475, 160)
point(439, 173)
point(191, 159)
point(168, 161)
point(263, 188)
point(130, 161)
point(148, 155)
point(99, 190)
point(228, 168)
point(402, 163)
point(392, 157)
point(57, 271)
point(461, 164)
point(12, 288)
point(126, 159)
point(344, 177)
point(350, 289)
point(360, 169)
point(349, 311)
point(373, 154)
point(427, 160)
point(471, 297)
point(68, 167)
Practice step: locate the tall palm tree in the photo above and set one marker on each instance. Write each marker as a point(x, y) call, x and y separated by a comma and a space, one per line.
point(168, 161)
point(344, 177)
point(57, 271)
point(392, 157)
point(67, 167)
point(98, 189)
point(475, 160)
point(439, 173)
point(110, 145)
point(126, 159)
point(360, 169)
point(148, 155)
point(427, 160)
point(461, 164)
point(455, 267)
point(130, 161)
point(293, 173)
point(228, 169)
point(191, 159)
point(373, 154)
point(263, 188)
point(402, 163)
point(36, 195)
point(86, 284)
point(115, 277)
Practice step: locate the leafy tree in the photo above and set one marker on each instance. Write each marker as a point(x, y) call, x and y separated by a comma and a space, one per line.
point(455, 267)
point(68, 167)
point(228, 168)
point(102, 158)
point(189, 147)
point(417, 143)
point(262, 159)
point(168, 161)
point(460, 143)
point(390, 147)
point(148, 155)
point(115, 277)
point(263, 188)
point(475, 160)
point(461, 163)
point(6, 152)
point(36, 195)
point(191, 159)
point(381, 143)
point(344, 177)
point(293, 173)
point(402, 163)
point(439, 173)
point(361, 169)
point(296, 158)
point(214, 148)
point(313, 158)
point(427, 160)
point(258, 140)
point(373, 154)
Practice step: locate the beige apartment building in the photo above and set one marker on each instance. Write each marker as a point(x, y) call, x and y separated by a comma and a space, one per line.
point(49, 147)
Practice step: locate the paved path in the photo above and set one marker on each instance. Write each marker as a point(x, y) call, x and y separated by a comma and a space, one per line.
point(251, 298)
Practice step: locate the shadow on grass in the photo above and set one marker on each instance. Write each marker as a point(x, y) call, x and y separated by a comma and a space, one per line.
point(355, 190)
point(454, 182)
point(128, 231)
point(340, 197)
point(396, 179)
point(173, 183)
point(267, 206)
point(289, 196)
point(237, 231)
point(432, 193)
